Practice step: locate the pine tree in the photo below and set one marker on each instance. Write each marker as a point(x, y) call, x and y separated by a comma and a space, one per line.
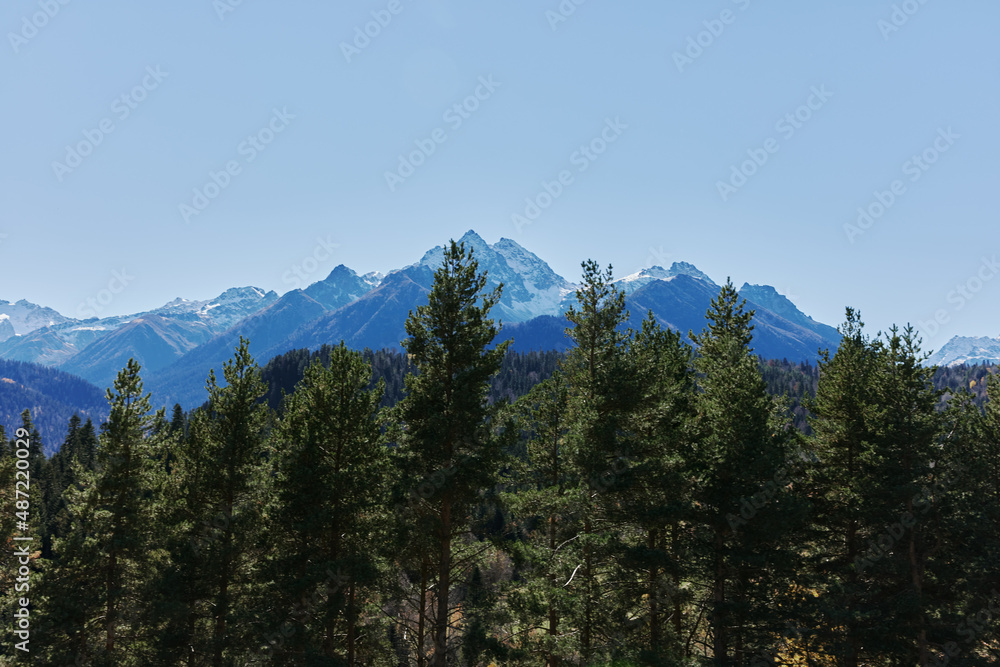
point(655, 491)
point(743, 511)
point(973, 528)
point(331, 484)
point(845, 414)
point(545, 549)
point(178, 420)
point(42, 482)
point(601, 395)
point(179, 596)
point(446, 417)
point(93, 589)
point(78, 447)
point(911, 501)
point(227, 451)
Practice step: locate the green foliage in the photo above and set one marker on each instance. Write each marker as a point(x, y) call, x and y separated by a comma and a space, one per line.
point(331, 484)
point(228, 448)
point(92, 593)
point(447, 420)
point(642, 502)
point(744, 519)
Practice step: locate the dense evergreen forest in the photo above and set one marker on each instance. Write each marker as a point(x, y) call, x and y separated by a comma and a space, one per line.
point(51, 395)
point(628, 502)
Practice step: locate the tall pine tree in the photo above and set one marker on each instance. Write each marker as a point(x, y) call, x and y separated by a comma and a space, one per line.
point(743, 512)
point(331, 485)
point(93, 590)
point(446, 417)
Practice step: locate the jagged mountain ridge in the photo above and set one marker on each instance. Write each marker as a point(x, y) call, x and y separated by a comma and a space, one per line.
point(679, 298)
point(179, 342)
point(93, 347)
point(24, 316)
point(531, 287)
point(342, 287)
point(967, 350)
point(184, 380)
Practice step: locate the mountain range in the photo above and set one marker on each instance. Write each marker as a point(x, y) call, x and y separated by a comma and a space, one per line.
point(969, 350)
point(179, 342)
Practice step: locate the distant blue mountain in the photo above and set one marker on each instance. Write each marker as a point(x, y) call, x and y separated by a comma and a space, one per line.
point(178, 343)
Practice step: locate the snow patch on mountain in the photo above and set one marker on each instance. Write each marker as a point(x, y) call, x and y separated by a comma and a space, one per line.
point(6, 328)
point(531, 287)
point(967, 350)
point(636, 281)
point(26, 317)
point(219, 313)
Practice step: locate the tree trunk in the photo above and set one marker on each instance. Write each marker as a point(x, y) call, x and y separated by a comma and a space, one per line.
point(422, 615)
point(222, 600)
point(110, 614)
point(350, 626)
point(654, 609)
point(553, 659)
point(444, 585)
point(916, 574)
point(853, 643)
point(720, 647)
point(333, 554)
point(678, 625)
point(191, 620)
point(586, 638)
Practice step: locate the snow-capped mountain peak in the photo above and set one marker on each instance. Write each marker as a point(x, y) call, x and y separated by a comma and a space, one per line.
point(643, 277)
point(25, 316)
point(967, 350)
point(531, 287)
point(688, 269)
point(340, 288)
point(6, 328)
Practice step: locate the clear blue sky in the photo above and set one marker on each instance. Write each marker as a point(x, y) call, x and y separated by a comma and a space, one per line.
point(651, 197)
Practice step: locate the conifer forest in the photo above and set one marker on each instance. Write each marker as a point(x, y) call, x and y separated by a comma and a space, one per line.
point(649, 497)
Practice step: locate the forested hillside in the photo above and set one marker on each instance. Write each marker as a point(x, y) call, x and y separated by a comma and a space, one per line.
point(52, 397)
point(631, 503)
point(519, 372)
